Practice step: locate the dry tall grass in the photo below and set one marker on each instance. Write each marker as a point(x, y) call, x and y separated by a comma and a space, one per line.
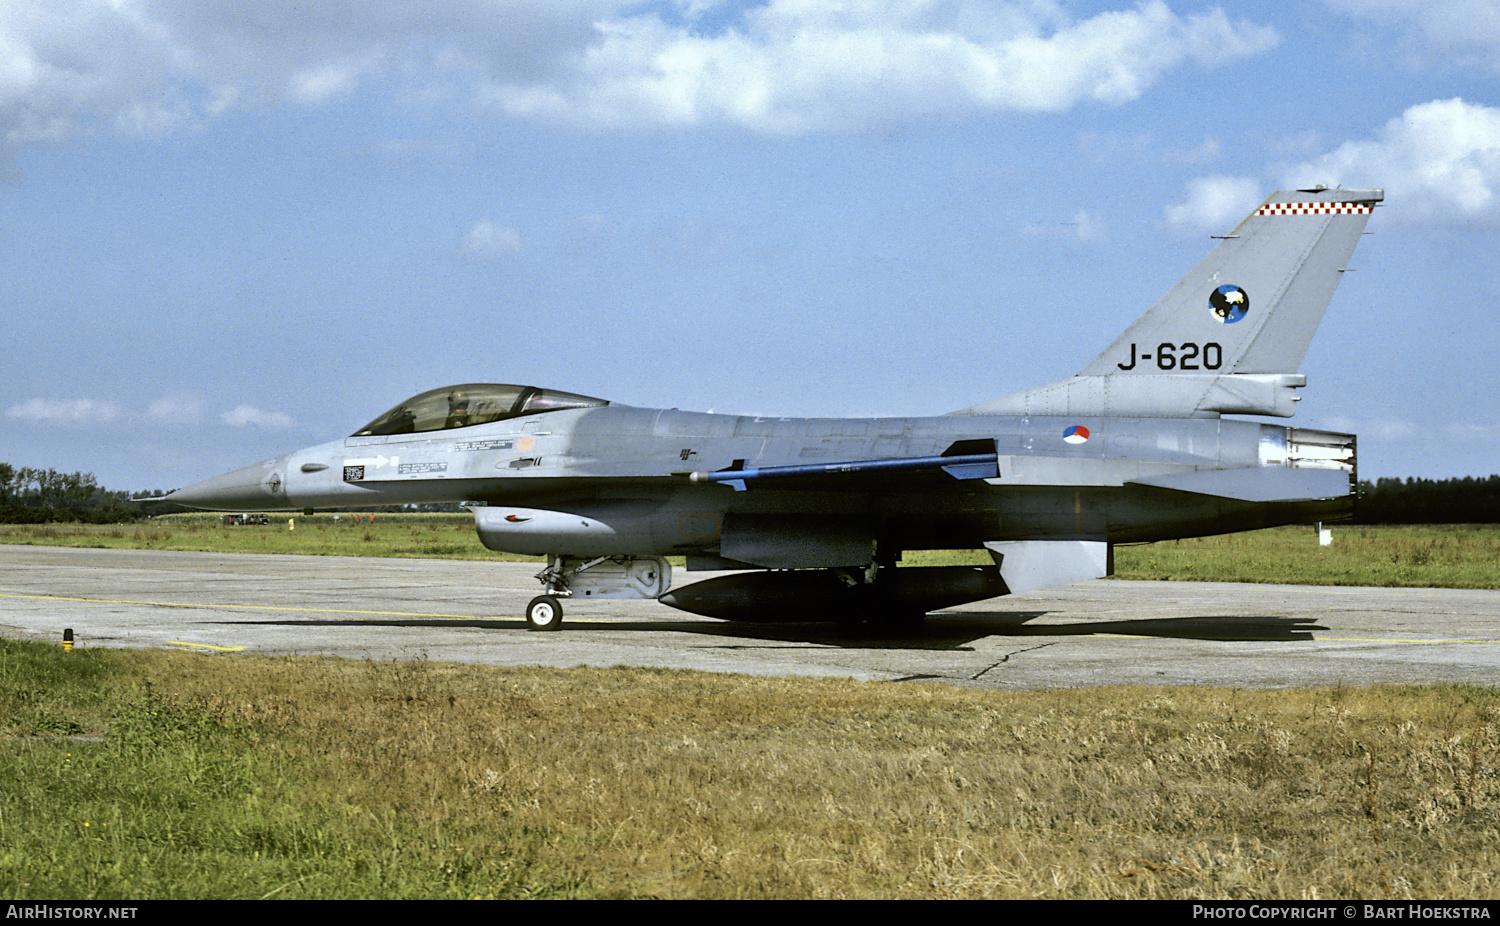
point(458, 781)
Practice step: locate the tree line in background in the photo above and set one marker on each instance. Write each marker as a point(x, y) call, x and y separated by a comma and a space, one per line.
point(35, 496)
point(1469, 500)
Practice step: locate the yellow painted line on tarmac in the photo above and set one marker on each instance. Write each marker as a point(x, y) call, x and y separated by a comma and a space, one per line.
point(240, 607)
point(223, 649)
point(1393, 640)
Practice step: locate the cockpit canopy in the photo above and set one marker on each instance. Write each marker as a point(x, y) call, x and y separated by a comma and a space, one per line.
point(470, 404)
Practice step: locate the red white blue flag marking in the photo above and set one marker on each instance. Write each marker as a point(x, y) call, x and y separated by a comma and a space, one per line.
point(1076, 434)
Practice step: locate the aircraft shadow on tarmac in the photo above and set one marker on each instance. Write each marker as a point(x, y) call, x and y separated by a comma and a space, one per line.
point(960, 630)
point(946, 631)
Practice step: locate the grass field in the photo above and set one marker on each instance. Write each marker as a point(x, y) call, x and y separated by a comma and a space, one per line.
point(445, 536)
point(1442, 556)
point(1434, 556)
point(142, 774)
point(130, 774)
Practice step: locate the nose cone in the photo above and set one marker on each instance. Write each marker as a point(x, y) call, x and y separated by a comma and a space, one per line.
point(254, 488)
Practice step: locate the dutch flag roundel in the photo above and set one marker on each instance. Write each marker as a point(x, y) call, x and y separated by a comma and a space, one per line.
point(1076, 434)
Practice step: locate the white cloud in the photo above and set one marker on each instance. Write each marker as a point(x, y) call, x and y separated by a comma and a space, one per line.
point(1466, 32)
point(486, 239)
point(1217, 203)
point(176, 409)
point(242, 416)
point(153, 63)
point(782, 67)
point(66, 411)
point(1438, 161)
point(63, 62)
point(329, 80)
point(792, 67)
point(171, 410)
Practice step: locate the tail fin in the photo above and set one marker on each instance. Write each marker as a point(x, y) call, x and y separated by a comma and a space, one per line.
point(1229, 337)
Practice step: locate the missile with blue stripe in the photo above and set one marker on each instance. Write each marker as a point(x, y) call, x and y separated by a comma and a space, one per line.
point(958, 461)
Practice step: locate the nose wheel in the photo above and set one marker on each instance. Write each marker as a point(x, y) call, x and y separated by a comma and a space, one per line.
point(544, 613)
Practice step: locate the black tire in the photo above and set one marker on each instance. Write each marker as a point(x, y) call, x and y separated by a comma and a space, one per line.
point(544, 613)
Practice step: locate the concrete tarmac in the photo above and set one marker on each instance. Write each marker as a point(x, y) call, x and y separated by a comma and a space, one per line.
point(1092, 633)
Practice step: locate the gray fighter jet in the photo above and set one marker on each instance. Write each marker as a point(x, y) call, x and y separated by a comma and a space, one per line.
point(815, 513)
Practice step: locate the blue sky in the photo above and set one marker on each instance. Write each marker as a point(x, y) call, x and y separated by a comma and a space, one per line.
point(232, 228)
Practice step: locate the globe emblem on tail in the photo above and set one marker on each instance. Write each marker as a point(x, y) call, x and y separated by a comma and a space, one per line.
point(1229, 303)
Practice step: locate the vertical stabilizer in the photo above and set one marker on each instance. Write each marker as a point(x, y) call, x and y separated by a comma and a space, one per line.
point(1229, 337)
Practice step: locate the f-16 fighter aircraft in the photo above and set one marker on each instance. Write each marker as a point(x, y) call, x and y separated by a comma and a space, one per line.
point(817, 512)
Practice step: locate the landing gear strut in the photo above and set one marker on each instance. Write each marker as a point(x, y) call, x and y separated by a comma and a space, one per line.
point(596, 577)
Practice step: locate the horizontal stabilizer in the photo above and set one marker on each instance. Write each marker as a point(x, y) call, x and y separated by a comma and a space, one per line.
point(1030, 565)
point(1257, 484)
